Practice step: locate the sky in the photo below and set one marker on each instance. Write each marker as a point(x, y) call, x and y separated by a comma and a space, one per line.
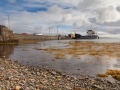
point(44, 16)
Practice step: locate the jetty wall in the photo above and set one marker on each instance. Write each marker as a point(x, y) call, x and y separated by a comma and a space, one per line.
point(7, 35)
point(38, 37)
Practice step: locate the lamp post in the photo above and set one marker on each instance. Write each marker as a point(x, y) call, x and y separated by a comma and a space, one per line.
point(8, 21)
point(49, 31)
point(57, 30)
point(91, 26)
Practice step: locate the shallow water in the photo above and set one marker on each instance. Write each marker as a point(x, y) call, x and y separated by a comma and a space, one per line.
point(35, 55)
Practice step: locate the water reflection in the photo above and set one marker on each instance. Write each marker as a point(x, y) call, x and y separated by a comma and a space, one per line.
point(6, 50)
point(34, 54)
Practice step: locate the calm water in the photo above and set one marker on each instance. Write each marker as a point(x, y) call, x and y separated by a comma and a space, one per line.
point(28, 55)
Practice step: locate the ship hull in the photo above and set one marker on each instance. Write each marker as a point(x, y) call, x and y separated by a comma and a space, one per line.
point(87, 37)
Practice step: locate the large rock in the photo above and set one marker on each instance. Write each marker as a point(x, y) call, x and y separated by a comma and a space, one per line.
point(6, 34)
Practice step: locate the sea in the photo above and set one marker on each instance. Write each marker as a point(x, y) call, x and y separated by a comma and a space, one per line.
point(35, 55)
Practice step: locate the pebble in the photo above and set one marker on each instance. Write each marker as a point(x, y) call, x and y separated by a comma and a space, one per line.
point(14, 76)
point(16, 87)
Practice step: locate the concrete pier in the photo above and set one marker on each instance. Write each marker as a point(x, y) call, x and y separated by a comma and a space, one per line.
point(7, 36)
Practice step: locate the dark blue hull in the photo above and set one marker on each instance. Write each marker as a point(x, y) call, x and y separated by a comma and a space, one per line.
point(87, 37)
point(78, 36)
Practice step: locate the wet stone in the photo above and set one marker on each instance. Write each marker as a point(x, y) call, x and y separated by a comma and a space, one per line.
point(16, 87)
point(53, 72)
point(78, 88)
point(19, 77)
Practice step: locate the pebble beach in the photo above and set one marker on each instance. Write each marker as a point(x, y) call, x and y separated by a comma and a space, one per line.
point(14, 76)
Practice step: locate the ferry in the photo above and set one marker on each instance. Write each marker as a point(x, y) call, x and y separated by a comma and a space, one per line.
point(89, 35)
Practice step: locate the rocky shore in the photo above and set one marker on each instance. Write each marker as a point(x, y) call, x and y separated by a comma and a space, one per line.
point(14, 76)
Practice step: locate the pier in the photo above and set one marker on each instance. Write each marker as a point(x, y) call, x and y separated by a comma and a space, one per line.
point(7, 36)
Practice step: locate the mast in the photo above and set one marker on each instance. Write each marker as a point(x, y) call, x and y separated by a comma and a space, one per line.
point(91, 26)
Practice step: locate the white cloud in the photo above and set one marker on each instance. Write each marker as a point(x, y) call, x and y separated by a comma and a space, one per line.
point(93, 4)
point(74, 13)
point(77, 19)
point(55, 9)
point(43, 19)
point(12, 1)
point(89, 4)
point(30, 5)
point(107, 14)
point(67, 18)
point(64, 3)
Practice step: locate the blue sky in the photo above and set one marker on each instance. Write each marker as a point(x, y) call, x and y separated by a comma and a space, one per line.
point(37, 16)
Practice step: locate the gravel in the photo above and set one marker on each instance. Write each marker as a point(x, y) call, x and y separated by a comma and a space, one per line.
point(14, 76)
